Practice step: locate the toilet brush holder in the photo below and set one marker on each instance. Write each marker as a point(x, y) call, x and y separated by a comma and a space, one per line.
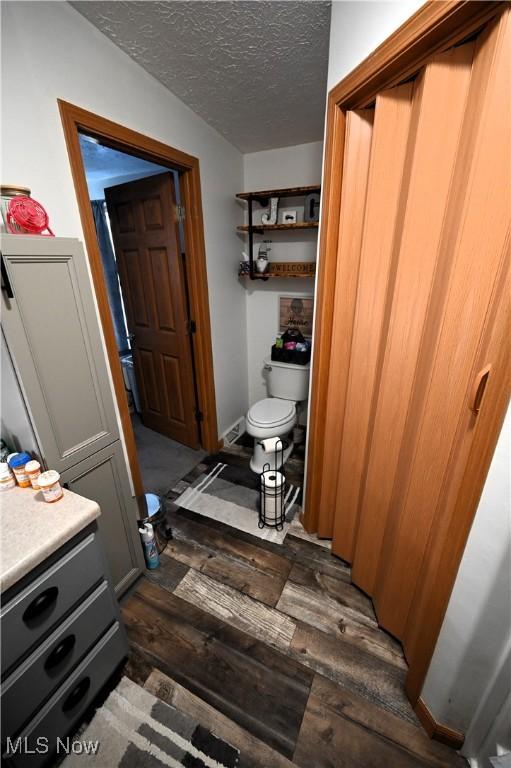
point(272, 492)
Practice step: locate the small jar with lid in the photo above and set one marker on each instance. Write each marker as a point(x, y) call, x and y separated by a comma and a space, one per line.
point(49, 483)
point(7, 192)
point(18, 465)
point(33, 470)
point(7, 480)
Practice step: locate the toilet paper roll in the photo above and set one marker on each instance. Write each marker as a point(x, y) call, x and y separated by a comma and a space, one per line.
point(272, 480)
point(270, 444)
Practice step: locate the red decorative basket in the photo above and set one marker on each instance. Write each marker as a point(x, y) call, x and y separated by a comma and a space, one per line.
point(26, 216)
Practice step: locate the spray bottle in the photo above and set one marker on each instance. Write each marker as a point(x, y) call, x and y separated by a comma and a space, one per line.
point(151, 555)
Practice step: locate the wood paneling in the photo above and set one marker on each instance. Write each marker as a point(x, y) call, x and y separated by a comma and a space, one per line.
point(475, 437)
point(323, 322)
point(375, 280)
point(475, 249)
point(435, 26)
point(438, 113)
point(434, 29)
point(355, 174)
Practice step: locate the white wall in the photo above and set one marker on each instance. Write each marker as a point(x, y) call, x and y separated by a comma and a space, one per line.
point(357, 28)
point(477, 626)
point(50, 51)
point(272, 169)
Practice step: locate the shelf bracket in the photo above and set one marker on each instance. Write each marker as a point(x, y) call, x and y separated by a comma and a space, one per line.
point(251, 238)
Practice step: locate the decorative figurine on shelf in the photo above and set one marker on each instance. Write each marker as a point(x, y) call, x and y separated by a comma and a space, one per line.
point(311, 209)
point(244, 265)
point(270, 218)
point(289, 217)
point(262, 262)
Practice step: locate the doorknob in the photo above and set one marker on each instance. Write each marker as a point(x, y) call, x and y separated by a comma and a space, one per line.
point(479, 388)
point(131, 337)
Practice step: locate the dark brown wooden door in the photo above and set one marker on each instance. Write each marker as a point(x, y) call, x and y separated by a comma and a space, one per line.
point(145, 232)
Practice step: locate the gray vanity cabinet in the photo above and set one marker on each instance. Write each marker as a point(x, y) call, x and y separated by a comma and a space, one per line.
point(52, 331)
point(53, 335)
point(102, 477)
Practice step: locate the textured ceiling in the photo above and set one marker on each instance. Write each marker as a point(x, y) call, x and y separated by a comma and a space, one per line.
point(255, 70)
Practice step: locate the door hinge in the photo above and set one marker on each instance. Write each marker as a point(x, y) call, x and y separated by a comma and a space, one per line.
point(180, 210)
point(199, 416)
point(191, 327)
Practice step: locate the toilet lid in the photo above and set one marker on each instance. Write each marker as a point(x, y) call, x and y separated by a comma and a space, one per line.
point(271, 410)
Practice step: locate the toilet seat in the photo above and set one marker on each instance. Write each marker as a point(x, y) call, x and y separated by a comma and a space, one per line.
point(271, 413)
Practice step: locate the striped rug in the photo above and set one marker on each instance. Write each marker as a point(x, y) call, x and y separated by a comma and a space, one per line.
point(134, 729)
point(229, 493)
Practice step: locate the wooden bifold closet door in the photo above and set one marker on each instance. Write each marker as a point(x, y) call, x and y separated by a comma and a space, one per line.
point(420, 313)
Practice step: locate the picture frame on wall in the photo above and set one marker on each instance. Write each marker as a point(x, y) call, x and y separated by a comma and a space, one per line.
point(296, 311)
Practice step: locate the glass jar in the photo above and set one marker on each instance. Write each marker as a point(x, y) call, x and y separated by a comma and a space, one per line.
point(7, 192)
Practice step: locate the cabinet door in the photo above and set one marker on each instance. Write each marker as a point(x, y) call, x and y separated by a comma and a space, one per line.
point(52, 331)
point(104, 479)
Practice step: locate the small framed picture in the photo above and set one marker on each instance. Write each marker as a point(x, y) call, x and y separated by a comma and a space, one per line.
point(296, 312)
point(289, 217)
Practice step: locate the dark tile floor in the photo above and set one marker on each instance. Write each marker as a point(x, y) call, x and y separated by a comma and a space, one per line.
point(273, 648)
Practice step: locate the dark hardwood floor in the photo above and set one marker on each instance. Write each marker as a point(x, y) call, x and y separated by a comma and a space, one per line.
point(272, 648)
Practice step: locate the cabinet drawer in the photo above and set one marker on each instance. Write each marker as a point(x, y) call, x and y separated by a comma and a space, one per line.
point(38, 607)
point(64, 710)
point(52, 661)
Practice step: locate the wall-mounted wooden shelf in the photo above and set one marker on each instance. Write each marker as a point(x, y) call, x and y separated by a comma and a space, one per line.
point(287, 269)
point(288, 192)
point(269, 227)
point(262, 197)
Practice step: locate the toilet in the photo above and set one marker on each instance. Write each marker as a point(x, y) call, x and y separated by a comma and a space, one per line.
point(275, 416)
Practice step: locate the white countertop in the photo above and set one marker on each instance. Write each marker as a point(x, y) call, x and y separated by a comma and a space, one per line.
point(31, 529)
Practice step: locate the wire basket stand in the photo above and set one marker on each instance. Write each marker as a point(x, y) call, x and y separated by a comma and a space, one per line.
point(272, 484)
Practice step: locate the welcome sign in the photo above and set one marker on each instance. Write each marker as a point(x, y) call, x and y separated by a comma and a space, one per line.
point(296, 312)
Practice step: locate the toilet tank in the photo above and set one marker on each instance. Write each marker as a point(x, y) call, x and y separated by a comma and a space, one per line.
point(290, 382)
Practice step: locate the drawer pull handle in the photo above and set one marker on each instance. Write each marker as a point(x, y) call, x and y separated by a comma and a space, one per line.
point(76, 694)
point(41, 604)
point(60, 652)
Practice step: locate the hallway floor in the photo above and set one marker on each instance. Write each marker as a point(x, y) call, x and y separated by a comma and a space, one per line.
point(272, 648)
point(162, 461)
